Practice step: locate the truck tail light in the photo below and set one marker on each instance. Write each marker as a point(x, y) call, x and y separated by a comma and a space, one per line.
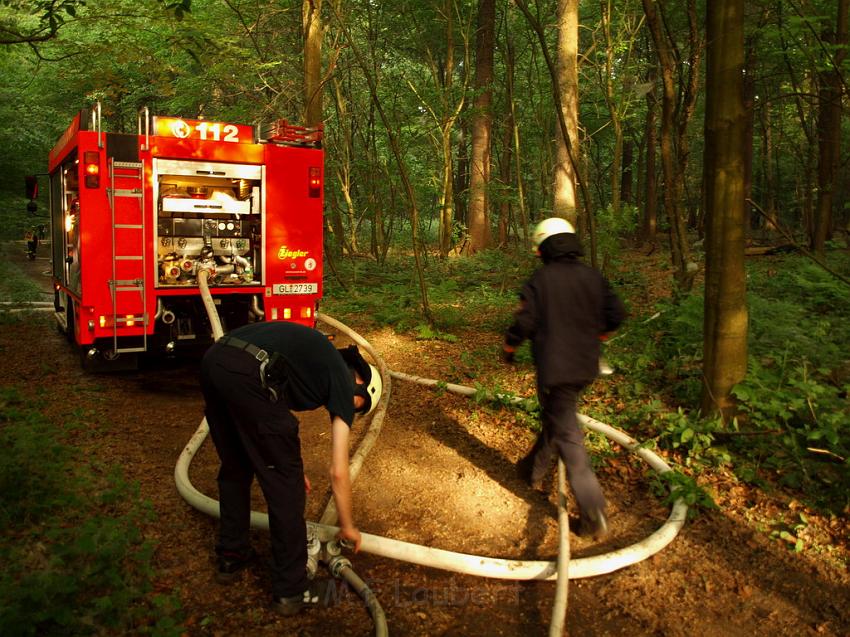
point(91, 166)
point(314, 181)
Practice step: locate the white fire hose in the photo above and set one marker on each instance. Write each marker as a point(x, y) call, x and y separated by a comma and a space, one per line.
point(439, 558)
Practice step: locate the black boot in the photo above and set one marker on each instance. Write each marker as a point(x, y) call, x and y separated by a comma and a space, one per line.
point(591, 524)
point(231, 565)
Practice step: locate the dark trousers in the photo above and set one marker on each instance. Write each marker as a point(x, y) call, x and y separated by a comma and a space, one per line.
point(562, 435)
point(254, 436)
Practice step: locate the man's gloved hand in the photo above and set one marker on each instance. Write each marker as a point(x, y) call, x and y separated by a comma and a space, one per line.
point(508, 353)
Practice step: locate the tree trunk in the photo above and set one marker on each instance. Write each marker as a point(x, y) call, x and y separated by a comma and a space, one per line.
point(750, 122)
point(572, 151)
point(510, 74)
point(505, 162)
point(461, 175)
point(768, 171)
point(626, 181)
point(311, 22)
point(725, 306)
point(802, 87)
point(345, 151)
point(673, 130)
point(564, 195)
point(395, 147)
point(482, 123)
point(447, 196)
point(613, 109)
point(829, 128)
point(650, 203)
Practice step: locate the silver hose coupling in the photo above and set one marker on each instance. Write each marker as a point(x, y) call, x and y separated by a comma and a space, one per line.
point(314, 547)
point(337, 563)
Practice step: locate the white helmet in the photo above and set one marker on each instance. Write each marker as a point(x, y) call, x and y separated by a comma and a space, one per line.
point(373, 388)
point(369, 390)
point(547, 228)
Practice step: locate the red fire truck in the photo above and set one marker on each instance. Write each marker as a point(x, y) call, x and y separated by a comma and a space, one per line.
point(135, 217)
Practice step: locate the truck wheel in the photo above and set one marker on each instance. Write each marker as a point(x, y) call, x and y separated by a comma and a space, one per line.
point(70, 322)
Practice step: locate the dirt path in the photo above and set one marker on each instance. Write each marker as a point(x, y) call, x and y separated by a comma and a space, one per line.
point(441, 474)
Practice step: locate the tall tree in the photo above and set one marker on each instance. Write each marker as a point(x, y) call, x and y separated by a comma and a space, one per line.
point(482, 124)
point(725, 304)
point(311, 21)
point(447, 106)
point(572, 152)
point(675, 115)
point(834, 40)
point(510, 73)
point(619, 28)
point(564, 194)
point(650, 201)
point(395, 147)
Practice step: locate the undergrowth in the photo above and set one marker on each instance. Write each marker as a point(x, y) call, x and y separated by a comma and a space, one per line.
point(15, 285)
point(74, 559)
point(479, 291)
point(793, 429)
point(16, 219)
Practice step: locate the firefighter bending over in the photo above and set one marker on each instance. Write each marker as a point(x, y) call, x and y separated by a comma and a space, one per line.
point(252, 379)
point(567, 307)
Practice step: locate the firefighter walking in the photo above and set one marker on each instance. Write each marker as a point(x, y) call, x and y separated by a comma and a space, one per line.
point(252, 379)
point(566, 306)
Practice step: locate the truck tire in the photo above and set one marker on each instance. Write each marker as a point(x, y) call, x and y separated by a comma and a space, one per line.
point(70, 322)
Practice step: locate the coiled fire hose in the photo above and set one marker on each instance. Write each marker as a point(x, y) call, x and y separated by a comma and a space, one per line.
point(439, 558)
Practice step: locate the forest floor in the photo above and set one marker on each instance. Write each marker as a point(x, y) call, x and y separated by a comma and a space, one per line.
point(441, 474)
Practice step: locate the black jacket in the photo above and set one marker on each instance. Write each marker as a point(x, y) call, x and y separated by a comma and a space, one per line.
point(566, 307)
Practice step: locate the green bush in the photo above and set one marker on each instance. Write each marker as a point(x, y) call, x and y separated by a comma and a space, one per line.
point(807, 418)
point(794, 424)
point(470, 292)
point(75, 561)
point(15, 285)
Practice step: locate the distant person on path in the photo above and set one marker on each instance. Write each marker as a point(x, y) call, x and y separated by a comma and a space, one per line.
point(31, 239)
point(566, 308)
point(252, 378)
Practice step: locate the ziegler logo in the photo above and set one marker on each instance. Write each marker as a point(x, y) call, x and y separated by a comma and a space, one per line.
point(286, 253)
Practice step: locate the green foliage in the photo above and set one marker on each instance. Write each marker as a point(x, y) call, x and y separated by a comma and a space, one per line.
point(799, 376)
point(15, 285)
point(665, 351)
point(16, 220)
point(789, 533)
point(799, 312)
point(693, 437)
point(33, 466)
point(527, 410)
point(809, 416)
point(614, 227)
point(478, 291)
point(793, 425)
point(673, 485)
point(74, 559)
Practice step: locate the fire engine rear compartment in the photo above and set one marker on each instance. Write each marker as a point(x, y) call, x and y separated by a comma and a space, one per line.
point(208, 215)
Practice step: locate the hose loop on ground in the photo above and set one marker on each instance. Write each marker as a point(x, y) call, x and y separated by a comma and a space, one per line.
point(439, 558)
